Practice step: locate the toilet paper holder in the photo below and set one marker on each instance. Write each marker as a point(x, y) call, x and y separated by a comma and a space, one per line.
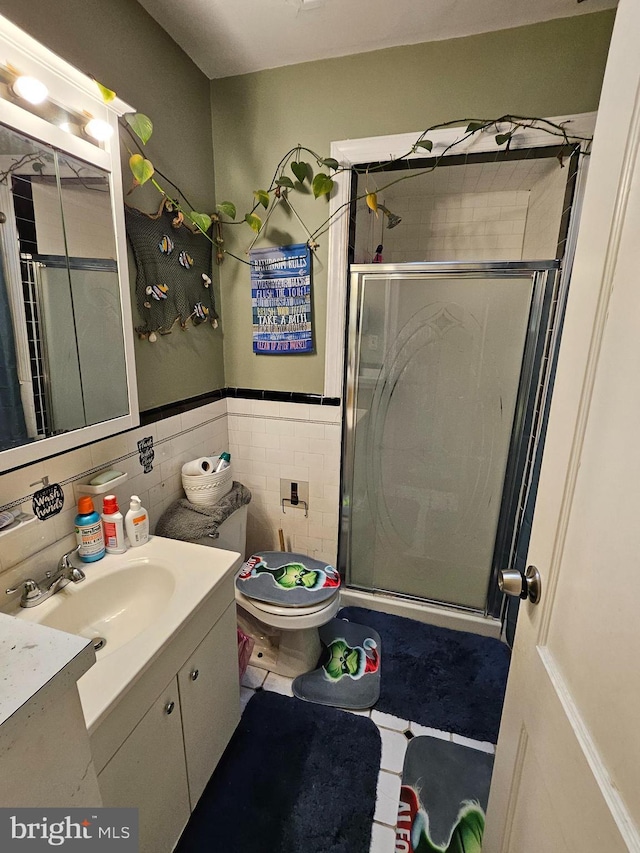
point(284, 501)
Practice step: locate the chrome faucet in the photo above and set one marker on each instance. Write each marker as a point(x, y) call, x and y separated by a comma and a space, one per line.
point(35, 592)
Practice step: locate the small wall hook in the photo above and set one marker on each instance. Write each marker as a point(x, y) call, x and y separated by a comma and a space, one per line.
point(44, 482)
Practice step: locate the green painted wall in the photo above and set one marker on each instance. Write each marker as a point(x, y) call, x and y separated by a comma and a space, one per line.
point(545, 70)
point(122, 46)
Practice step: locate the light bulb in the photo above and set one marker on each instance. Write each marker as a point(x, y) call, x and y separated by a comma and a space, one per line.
point(98, 129)
point(30, 89)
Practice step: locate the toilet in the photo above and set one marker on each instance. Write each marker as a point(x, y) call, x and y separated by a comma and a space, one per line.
point(285, 630)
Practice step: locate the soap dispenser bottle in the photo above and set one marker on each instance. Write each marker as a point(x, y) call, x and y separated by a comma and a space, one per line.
point(136, 523)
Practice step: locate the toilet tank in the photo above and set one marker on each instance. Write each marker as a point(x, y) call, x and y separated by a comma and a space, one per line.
point(232, 533)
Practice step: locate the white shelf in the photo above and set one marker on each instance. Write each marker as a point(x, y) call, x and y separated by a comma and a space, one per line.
point(102, 489)
point(21, 520)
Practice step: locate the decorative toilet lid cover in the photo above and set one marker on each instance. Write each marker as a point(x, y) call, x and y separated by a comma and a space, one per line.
point(287, 579)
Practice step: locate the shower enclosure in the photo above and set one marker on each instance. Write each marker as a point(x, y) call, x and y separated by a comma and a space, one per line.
point(446, 369)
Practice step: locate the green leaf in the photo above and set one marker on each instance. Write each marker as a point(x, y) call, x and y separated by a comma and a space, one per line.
point(301, 170)
point(201, 220)
point(330, 163)
point(141, 169)
point(285, 182)
point(108, 95)
point(427, 144)
point(501, 138)
point(475, 125)
point(228, 208)
point(141, 125)
point(322, 185)
point(253, 221)
point(262, 197)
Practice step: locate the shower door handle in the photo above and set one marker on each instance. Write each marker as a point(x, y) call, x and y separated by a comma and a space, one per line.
point(527, 585)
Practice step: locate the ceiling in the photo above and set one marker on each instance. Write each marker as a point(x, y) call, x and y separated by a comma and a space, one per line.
point(228, 37)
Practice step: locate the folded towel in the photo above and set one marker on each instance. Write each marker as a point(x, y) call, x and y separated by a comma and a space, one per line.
point(186, 521)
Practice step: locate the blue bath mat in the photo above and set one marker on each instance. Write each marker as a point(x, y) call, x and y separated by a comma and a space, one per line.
point(443, 798)
point(448, 680)
point(348, 673)
point(295, 776)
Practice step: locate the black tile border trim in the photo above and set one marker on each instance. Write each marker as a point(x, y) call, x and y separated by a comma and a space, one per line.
point(168, 411)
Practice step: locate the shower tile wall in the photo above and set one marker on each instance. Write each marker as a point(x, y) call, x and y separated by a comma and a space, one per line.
point(479, 211)
point(462, 226)
point(546, 206)
point(269, 441)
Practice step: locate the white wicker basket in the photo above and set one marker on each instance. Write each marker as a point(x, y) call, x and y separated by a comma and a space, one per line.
point(207, 489)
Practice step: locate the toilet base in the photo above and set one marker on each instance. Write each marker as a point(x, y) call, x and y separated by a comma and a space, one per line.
point(288, 653)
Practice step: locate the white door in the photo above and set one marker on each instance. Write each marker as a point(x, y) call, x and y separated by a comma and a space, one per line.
point(567, 773)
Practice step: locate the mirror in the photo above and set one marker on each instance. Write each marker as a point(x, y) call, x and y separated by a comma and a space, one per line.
point(66, 369)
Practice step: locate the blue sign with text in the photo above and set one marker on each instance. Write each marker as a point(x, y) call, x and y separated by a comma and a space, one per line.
point(281, 300)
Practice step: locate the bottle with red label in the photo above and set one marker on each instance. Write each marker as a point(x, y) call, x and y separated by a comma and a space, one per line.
point(113, 524)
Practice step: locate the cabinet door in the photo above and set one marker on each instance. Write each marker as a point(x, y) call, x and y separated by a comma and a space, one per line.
point(148, 773)
point(210, 701)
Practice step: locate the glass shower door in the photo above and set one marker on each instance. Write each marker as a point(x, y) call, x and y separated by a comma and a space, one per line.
point(440, 368)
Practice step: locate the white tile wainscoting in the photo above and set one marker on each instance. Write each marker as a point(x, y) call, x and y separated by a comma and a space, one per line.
point(295, 441)
point(267, 440)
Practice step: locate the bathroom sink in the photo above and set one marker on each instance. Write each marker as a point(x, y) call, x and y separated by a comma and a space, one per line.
point(113, 609)
point(132, 605)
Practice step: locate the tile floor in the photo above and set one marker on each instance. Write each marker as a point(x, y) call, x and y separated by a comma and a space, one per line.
point(395, 734)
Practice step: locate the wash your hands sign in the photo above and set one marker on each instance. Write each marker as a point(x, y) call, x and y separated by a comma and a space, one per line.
point(281, 300)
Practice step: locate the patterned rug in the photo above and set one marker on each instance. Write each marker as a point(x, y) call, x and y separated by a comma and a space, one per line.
point(443, 798)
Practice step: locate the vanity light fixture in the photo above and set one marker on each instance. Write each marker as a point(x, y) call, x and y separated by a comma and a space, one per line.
point(98, 129)
point(30, 89)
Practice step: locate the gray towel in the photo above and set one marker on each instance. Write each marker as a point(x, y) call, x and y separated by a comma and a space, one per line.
point(186, 521)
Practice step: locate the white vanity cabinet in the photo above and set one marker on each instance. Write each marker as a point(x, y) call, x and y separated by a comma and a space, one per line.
point(173, 742)
point(209, 701)
point(148, 772)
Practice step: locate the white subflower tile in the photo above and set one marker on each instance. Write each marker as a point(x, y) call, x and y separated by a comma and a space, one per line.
point(383, 839)
point(387, 798)
point(253, 677)
point(394, 746)
point(388, 721)
point(416, 729)
point(245, 695)
point(278, 684)
point(482, 745)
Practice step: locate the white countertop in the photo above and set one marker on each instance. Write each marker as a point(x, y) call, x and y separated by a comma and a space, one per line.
point(34, 660)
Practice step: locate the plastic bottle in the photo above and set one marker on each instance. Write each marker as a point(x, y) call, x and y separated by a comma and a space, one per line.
point(113, 525)
point(224, 461)
point(136, 523)
point(89, 534)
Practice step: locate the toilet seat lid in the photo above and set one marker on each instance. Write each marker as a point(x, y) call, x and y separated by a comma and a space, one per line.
point(287, 579)
point(278, 610)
